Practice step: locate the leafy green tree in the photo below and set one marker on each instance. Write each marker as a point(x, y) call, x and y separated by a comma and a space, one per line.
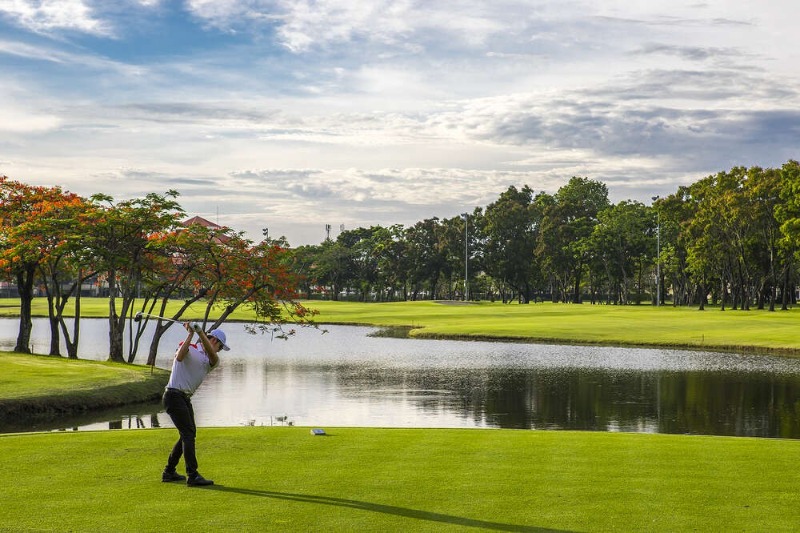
point(304, 264)
point(624, 238)
point(331, 267)
point(762, 196)
point(391, 252)
point(426, 257)
point(511, 231)
point(674, 213)
point(787, 214)
point(361, 258)
point(567, 225)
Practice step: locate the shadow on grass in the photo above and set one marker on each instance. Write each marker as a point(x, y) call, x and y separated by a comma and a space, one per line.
point(380, 508)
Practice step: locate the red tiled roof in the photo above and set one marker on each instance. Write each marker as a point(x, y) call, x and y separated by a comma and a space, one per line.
point(200, 221)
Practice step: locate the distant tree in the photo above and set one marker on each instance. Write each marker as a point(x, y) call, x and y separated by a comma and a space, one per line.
point(451, 246)
point(674, 213)
point(762, 197)
point(391, 251)
point(361, 259)
point(331, 267)
point(426, 257)
point(624, 238)
point(787, 214)
point(511, 230)
point(567, 225)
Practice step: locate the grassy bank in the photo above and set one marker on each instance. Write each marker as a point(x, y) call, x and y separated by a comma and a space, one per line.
point(680, 327)
point(283, 479)
point(583, 324)
point(42, 386)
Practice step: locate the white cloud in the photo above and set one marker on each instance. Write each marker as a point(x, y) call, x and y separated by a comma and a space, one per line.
point(379, 112)
point(305, 25)
point(51, 54)
point(43, 16)
point(14, 120)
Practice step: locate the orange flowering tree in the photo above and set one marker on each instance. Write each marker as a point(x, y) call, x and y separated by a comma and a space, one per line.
point(181, 272)
point(230, 272)
point(35, 229)
point(57, 240)
point(123, 239)
point(62, 269)
point(227, 271)
point(260, 277)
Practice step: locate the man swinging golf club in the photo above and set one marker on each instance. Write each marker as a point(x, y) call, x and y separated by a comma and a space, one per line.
point(191, 365)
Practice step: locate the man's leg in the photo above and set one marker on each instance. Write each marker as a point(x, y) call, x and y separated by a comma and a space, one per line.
point(188, 434)
point(175, 455)
point(179, 409)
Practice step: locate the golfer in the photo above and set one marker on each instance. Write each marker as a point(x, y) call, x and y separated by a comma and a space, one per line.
point(191, 365)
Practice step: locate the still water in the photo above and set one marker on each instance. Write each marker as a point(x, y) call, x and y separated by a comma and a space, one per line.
point(346, 377)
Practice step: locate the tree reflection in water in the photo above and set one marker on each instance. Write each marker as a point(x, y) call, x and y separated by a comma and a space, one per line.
point(349, 378)
point(708, 403)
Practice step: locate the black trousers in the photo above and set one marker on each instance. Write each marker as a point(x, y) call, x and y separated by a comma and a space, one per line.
point(179, 409)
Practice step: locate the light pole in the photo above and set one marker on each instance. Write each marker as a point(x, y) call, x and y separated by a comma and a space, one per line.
point(465, 216)
point(658, 255)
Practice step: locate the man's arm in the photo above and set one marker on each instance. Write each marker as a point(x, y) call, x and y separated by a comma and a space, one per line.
point(213, 358)
point(183, 351)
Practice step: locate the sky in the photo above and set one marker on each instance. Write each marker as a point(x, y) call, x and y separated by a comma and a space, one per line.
point(294, 115)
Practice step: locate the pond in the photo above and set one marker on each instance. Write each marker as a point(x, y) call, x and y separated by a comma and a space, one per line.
point(346, 377)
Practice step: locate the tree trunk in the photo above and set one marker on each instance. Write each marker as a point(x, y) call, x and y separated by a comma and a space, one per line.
point(55, 337)
point(151, 355)
point(71, 341)
point(115, 339)
point(702, 291)
point(786, 288)
point(25, 288)
point(72, 345)
point(576, 294)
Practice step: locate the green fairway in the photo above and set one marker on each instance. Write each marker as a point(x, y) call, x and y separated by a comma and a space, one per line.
point(51, 385)
point(645, 325)
point(563, 323)
point(284, 479)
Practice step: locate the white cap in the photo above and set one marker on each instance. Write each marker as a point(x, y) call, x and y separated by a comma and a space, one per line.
point(220, 336)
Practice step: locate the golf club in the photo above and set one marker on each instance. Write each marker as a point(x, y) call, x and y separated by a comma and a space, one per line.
point(138, 318)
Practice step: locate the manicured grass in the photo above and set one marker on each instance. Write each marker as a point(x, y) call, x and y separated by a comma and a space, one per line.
point(31, 384)
point(563, 323)
point(645, 325)
point(284, 479)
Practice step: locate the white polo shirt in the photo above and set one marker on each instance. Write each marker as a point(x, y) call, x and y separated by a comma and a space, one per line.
point(188, 374)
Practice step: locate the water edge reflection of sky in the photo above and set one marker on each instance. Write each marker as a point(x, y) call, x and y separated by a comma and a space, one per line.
point(347, 378)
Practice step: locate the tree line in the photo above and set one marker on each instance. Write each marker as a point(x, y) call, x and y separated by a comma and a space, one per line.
point(729, 239)
point(143, 257)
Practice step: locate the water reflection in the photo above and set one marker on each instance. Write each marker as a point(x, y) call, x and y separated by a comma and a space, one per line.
point(347, 378)
point(137, 416)
point(716, 403)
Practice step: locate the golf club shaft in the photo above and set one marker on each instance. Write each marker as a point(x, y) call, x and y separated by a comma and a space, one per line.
point(158, 317)
point(138, 318)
